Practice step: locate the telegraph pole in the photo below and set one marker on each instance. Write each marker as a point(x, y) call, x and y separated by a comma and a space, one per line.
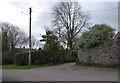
point(30, 10)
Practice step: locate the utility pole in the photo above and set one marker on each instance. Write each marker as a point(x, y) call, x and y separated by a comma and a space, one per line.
point(30, 10)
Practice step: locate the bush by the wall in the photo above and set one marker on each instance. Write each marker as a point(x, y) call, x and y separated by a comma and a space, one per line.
point(70, 56)
point(96, 36)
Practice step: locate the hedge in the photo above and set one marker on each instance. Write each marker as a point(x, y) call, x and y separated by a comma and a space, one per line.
point(7, 58)
point(41, 57)
point(37, 58)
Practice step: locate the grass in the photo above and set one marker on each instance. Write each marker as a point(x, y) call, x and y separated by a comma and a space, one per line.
point(11, 66)
point(116, 66)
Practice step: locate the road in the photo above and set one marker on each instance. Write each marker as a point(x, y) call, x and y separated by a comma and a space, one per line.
point(65, 72)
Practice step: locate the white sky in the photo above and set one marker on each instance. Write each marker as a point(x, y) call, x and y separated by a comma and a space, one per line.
point(17, 12)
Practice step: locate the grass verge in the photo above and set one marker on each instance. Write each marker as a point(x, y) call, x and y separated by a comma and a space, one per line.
point(116, 66)
point(22, 67)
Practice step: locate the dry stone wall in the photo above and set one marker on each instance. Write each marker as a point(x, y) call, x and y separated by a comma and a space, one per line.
point(108, 53)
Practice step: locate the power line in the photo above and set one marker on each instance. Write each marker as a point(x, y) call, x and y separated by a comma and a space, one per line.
point(39, 3)
point(102, 10)
point(91, 11)
point(42, 4)
point(41, 7)
point(45, 4)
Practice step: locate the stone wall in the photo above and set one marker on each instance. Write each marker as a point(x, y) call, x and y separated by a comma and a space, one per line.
point(109, 53)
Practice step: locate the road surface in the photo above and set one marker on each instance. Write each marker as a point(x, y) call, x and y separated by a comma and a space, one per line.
point(65, 72)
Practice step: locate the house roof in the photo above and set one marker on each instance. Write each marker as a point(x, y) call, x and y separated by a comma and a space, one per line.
point(117, 36)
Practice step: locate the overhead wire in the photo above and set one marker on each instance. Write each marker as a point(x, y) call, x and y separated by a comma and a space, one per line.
point(102, 10)
point(41, 7)
point(39, 3)
point(91, 10)
point(49, 1)
point(42, 4)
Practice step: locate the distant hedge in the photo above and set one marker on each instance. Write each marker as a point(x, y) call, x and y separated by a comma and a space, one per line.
point(41, 57)
point(37, 58)
point(21, 59)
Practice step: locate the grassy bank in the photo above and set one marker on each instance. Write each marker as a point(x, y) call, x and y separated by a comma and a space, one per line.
point(116, 66)
point(22, 67)
point(12, 66)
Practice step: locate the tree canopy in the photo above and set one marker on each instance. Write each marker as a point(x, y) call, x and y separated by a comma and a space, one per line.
point(97, 35)
point(51, 41)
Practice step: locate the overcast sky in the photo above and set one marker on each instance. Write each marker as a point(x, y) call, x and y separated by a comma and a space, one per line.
point(17, 12)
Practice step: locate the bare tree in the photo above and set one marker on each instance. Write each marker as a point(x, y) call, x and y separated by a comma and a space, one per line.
point(23, 39)
point(15, 36)
point(69, 20)
point(33, 41)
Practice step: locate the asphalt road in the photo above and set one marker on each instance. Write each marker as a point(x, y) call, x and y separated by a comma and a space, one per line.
point(65, 72)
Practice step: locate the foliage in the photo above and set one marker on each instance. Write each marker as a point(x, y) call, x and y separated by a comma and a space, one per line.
point(52, 45)
point(42, 57)
point(52, 53)
point(12, 37)
point(7, 57)
point(97, 35)
point(51, 40)
point(37, 58)
point(55, 50)
point(70, 56)
point(21, 59)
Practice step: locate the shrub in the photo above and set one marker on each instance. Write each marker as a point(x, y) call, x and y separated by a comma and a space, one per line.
point(97, 35)
point(70, 56)
point(39, 57)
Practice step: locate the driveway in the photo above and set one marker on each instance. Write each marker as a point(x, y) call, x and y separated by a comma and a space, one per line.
point(65, 72)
